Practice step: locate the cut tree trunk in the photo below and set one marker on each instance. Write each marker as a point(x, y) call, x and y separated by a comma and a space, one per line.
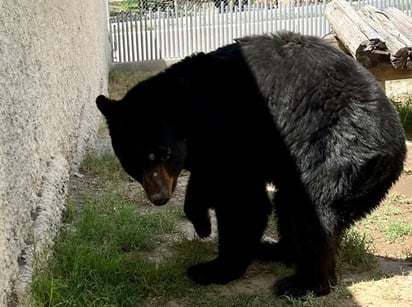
point(399, 45)
point(365, 44)
point(401, 21)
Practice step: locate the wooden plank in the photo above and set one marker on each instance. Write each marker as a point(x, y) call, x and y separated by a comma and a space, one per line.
point(385, 71)
point(399, 45)
point(365, 44)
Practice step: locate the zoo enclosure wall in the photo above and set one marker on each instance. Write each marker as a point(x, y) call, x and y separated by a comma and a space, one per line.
point(54, 61)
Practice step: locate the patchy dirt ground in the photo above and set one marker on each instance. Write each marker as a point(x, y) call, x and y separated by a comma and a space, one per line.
point(394, 287)
point(389, 283)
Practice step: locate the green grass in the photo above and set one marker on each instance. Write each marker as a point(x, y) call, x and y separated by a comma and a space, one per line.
point(114, 252)
point(107, 167)
point(392, 220)
point(357, 251)
point(404, 109)
point(123, 79)
point(117, 6)
point(396, 230)
point(99, 258)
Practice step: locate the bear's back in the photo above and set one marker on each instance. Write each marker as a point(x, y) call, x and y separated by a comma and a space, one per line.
point(330, 111)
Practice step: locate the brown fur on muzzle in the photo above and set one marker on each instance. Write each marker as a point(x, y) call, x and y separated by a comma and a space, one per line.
point(158, 185)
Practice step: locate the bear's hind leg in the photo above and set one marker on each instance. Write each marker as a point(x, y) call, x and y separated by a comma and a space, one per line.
point(316, 273)
point(314, 249)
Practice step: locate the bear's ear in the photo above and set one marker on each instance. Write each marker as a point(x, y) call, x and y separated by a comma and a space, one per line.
point(106, 106)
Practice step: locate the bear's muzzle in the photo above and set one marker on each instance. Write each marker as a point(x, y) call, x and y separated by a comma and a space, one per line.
point(158, 185)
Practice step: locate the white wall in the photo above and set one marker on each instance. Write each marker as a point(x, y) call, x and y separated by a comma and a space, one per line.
point(54, 61)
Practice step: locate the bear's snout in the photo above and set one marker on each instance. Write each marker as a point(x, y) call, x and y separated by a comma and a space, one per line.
point(158, 185)
point(159, 199)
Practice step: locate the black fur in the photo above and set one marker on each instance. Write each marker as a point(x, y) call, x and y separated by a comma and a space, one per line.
point(286, 109)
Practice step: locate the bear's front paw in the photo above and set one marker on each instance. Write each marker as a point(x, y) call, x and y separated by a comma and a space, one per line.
point(215, 272)
point(296, 287)
point(201, 222)
point(203, 228)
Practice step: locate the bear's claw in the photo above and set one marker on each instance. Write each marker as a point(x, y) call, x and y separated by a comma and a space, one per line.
point(293, 286)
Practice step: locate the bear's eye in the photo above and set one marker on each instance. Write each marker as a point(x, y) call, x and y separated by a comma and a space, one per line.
point(165, 158)
point(166, 153)
point(151, 156)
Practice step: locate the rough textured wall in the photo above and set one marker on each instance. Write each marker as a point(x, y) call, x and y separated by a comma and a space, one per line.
point(54, 62)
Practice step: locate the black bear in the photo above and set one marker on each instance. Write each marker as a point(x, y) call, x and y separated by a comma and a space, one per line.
point(285, 109)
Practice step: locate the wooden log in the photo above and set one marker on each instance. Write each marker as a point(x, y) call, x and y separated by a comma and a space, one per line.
point(399, 45)
point(404, 24)
point(401, 21)
point(365, 44)
point(332, 40)
point(383, 72)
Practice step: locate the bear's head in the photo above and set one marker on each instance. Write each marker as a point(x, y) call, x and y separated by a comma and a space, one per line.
point(148, 140)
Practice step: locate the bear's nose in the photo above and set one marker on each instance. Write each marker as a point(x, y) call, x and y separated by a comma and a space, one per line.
point(159, 199)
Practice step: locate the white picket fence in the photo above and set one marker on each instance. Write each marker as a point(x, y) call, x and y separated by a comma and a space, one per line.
point(173, 33)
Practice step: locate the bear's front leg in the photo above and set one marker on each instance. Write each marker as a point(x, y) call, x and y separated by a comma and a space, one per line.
point(196, 207)
point(241, 222)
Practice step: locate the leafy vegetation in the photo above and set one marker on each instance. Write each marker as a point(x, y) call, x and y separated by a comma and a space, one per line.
point(130, 5)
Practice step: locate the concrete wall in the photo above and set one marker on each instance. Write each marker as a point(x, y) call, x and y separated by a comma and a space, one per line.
point(54, 61)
